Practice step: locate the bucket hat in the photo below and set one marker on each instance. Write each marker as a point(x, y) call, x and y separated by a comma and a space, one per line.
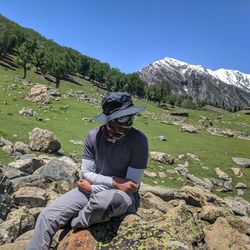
point(115, 105)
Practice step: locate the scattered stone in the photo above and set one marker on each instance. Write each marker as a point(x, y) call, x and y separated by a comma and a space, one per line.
point(77, 142)
point(237, 172)
point(86, 119)
point(161, 138)
point(193, 156)
point(150, 174)
point(162, 157)
point(8, 149)
point(28, 112)
point(181, 157)
point(162, 175)
point(43, 140)
point(28, 166)
point(243, 162)
point(241, 185)
point(221, 132)
point(21, 148)
point(54, 92)
point(4, 142)
point(240, 192)
point(195, 181)
point(222, 174)
point(189, 128)
point(38, 94)
point(222, 236)
point(31, 197)
point(182, 170)
point(185, 114)
point(172, 171)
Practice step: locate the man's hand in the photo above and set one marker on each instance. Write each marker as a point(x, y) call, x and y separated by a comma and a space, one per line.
point(84, 185)
point(125, 185)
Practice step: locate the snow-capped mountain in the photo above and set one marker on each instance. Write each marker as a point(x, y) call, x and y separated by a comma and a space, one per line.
point(226, 88)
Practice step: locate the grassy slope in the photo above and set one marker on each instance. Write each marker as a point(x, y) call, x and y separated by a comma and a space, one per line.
point(214, 151)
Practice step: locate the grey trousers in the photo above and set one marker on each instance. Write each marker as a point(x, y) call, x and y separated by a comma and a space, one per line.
point(82, 209)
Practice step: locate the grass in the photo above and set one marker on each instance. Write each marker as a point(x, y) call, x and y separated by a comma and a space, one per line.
point(64, 119)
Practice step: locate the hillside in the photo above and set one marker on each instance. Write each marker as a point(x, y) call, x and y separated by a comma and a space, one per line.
point(64, 118)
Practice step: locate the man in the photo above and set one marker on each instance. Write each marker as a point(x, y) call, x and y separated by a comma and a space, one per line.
point(114, 159)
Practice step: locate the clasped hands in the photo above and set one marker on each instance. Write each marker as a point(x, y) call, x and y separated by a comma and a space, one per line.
point(123, 184)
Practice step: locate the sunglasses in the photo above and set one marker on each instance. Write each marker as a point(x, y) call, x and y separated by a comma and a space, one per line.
point(125, 119)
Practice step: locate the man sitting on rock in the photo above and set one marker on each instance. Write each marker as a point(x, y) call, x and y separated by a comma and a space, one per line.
point(114, 159)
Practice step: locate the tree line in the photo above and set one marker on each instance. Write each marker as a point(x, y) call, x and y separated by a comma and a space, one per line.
point(49, 58)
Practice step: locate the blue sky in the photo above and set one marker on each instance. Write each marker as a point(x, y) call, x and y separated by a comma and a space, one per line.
point(129, 34)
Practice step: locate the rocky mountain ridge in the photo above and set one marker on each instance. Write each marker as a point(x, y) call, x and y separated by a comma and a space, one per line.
point(224, 88)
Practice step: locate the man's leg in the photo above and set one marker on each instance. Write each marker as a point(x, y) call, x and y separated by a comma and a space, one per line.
point(55, 216)
point(102, 206)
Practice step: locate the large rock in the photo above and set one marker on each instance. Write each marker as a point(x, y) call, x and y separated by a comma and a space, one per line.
point(222, 236)
point(28, 166)
point(243, 162)
point(131, 233)
point(240, 223)
point(162, 157)
point(181, 222)
point(150, 200)
point(238, 205)
point(56, 170)
point(31, 197)
point(210, 213)
point(38, 94)
point(6, 189)
point(222, 174)
point(21, 148)
point(43, 140)
point(11, 172)
point(4, 142)
point(203, 197)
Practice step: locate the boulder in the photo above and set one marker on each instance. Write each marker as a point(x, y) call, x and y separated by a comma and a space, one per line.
point(150, 200)
point(182, 170)
point(21, 148)
point(54, 92)
point(193, 157)
point(202, 196)
point(243, 162)
point(189, 128)
point(222, 236)
point(31, 197)
point(28, 166)
point(12, 172)
point(28, 112)
point(241, 185)
point(131, 233)
point(6, 189)
point(162, 157)
point(181, 222)
point(238, 205)
point(43, 140)
point(38, 94)
point(241, 224)
point(210, 213)
point(56, 170)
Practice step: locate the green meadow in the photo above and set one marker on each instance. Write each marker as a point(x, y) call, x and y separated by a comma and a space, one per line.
point(64, 118)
